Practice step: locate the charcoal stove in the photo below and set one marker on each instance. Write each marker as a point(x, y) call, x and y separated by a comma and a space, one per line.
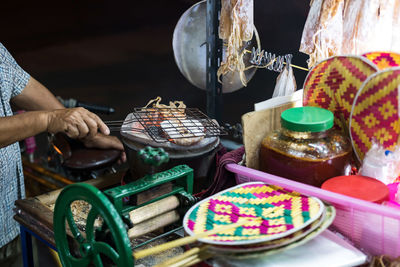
point(146, 127)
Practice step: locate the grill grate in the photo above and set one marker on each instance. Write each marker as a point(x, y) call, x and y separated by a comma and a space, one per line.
point(165, 124)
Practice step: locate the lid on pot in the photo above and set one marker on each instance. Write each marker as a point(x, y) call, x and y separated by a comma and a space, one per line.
point(307, 119)
point(357, 186)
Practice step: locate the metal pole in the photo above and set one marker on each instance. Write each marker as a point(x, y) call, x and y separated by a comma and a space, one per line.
point(214, 57)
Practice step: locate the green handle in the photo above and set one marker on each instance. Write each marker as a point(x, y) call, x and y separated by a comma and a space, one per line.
point(153, 156)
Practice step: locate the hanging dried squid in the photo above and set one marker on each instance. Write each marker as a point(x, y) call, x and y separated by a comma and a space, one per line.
point(236, 27)
point(323, 31)
point(336, 27)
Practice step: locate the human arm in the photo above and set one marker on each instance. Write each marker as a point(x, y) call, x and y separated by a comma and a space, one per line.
point(76, 123)
point(20, 126)
point(48, 114)
point(36, 96)
point(45, 112)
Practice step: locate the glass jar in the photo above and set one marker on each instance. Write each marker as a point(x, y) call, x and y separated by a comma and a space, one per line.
point(306, 149)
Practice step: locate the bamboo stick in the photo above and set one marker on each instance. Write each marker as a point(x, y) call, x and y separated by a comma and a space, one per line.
point(184, 261)
point(200, 258)
point(185, 240)
point(194, 251)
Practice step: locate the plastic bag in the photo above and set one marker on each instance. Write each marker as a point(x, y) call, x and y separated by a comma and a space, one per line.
point(285, 82)
point(381, 164)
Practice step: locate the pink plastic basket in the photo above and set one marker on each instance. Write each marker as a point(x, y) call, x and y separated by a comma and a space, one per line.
point(372, 227)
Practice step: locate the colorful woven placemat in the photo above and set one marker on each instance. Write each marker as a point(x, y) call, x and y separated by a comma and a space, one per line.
point(375, 112)
point(279, 212)
point(383, 60)
point(333, 83)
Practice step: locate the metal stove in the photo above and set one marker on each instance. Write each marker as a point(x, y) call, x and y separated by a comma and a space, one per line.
point(168, 129)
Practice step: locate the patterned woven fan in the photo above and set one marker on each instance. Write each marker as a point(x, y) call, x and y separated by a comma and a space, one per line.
point(330, 216)
point(272, 243)
point(384, 60)
point(375, 112)
point(333, 83)
point(278, 212)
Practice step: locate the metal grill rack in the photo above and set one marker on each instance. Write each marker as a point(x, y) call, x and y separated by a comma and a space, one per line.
point(164, 124)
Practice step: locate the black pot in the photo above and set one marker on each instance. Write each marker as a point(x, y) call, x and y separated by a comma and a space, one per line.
point(200, 157)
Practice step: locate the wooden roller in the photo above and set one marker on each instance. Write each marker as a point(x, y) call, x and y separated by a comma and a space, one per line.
point(153, 216)
point(154, 209)
point(153, 224)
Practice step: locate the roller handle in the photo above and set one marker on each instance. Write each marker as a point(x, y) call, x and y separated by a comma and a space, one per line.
point(73, 103)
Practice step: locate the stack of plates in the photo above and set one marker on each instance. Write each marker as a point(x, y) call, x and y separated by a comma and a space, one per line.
point(282, 219)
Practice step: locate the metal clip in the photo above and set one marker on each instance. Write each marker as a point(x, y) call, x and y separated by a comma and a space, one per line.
point(270, 61)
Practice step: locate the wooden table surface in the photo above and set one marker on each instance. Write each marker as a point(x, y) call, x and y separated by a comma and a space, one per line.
point(34, 213)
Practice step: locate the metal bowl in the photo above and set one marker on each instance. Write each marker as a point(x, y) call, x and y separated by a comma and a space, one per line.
point(189, 45)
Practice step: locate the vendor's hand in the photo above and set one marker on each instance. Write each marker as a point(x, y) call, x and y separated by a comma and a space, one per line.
point(105, 142)
point(75, 123)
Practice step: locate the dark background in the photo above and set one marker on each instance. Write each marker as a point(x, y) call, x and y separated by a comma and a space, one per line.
point(119, 53)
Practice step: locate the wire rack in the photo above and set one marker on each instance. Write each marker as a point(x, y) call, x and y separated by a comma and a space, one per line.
point(167, 124)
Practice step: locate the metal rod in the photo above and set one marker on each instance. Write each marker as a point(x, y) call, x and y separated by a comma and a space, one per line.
point(117, 129)
point(158, 237)
point(214, 58)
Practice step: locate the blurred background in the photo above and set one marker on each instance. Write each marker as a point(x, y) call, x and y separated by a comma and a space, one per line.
point(119, 53)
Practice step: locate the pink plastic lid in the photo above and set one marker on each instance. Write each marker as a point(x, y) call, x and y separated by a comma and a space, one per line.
point(357, 186)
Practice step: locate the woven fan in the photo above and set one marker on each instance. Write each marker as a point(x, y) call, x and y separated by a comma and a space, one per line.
point(383, 60)
point(375, 112)
point(273, 243)
point(330, 216)
point(333, 83)
point(277, 213)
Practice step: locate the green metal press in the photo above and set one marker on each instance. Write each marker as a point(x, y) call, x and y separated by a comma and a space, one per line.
point(93, 244)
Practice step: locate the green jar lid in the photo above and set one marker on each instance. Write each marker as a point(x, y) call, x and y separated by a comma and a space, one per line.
point(307, 119)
